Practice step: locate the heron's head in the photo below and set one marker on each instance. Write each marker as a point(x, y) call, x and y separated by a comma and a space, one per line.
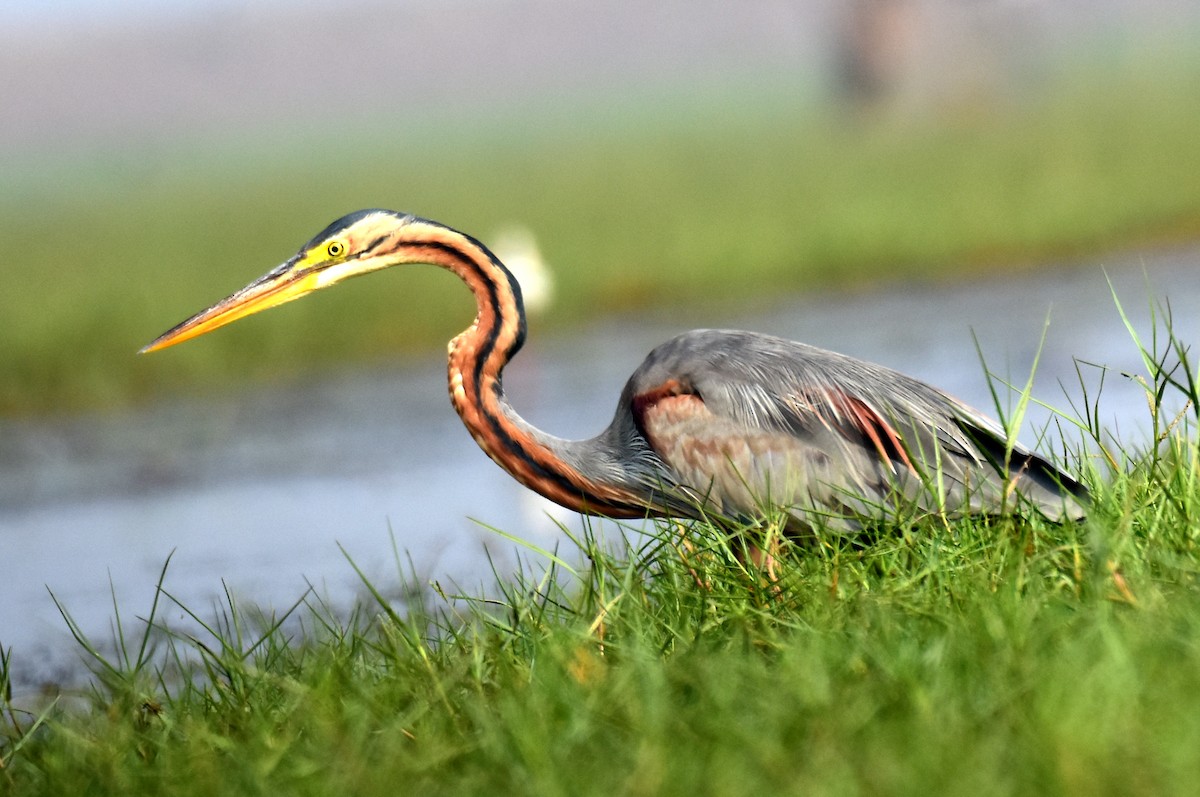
point(355, 244)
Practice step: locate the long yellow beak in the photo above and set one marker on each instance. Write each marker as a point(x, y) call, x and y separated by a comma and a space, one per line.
point(283, 284)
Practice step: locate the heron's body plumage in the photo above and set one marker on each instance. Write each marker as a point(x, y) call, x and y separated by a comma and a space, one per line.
point(743, 421)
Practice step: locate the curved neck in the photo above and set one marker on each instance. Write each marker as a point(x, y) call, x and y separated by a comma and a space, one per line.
point(546, 464)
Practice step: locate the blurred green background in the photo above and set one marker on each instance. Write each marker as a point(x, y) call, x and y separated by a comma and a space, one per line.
point(705, 155)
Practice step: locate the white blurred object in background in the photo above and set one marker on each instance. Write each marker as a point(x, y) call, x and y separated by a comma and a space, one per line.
point(518, 250)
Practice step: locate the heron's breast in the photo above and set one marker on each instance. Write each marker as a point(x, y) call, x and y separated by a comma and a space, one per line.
point(735, 466)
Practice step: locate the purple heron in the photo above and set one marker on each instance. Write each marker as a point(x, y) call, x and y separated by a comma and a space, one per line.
point(714, 423)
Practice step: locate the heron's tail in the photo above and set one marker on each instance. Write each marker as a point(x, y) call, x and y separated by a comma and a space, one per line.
point(1035, 481)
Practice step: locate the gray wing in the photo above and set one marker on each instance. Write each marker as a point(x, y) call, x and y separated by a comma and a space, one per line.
point(741, 421)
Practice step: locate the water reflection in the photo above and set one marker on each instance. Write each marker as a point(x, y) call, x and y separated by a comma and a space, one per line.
point(258, 490)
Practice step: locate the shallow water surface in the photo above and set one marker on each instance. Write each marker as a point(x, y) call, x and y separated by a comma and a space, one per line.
point(256, 492)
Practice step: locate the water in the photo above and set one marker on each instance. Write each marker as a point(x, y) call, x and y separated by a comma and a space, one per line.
point(256, 492)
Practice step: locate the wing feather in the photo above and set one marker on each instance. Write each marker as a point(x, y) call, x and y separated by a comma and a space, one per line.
point(745, 420)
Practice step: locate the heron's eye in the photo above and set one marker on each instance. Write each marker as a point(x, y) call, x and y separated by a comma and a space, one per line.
point(335, 248)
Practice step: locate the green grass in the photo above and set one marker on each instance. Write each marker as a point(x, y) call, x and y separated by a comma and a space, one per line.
point(988, 656)
point(635, 204)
